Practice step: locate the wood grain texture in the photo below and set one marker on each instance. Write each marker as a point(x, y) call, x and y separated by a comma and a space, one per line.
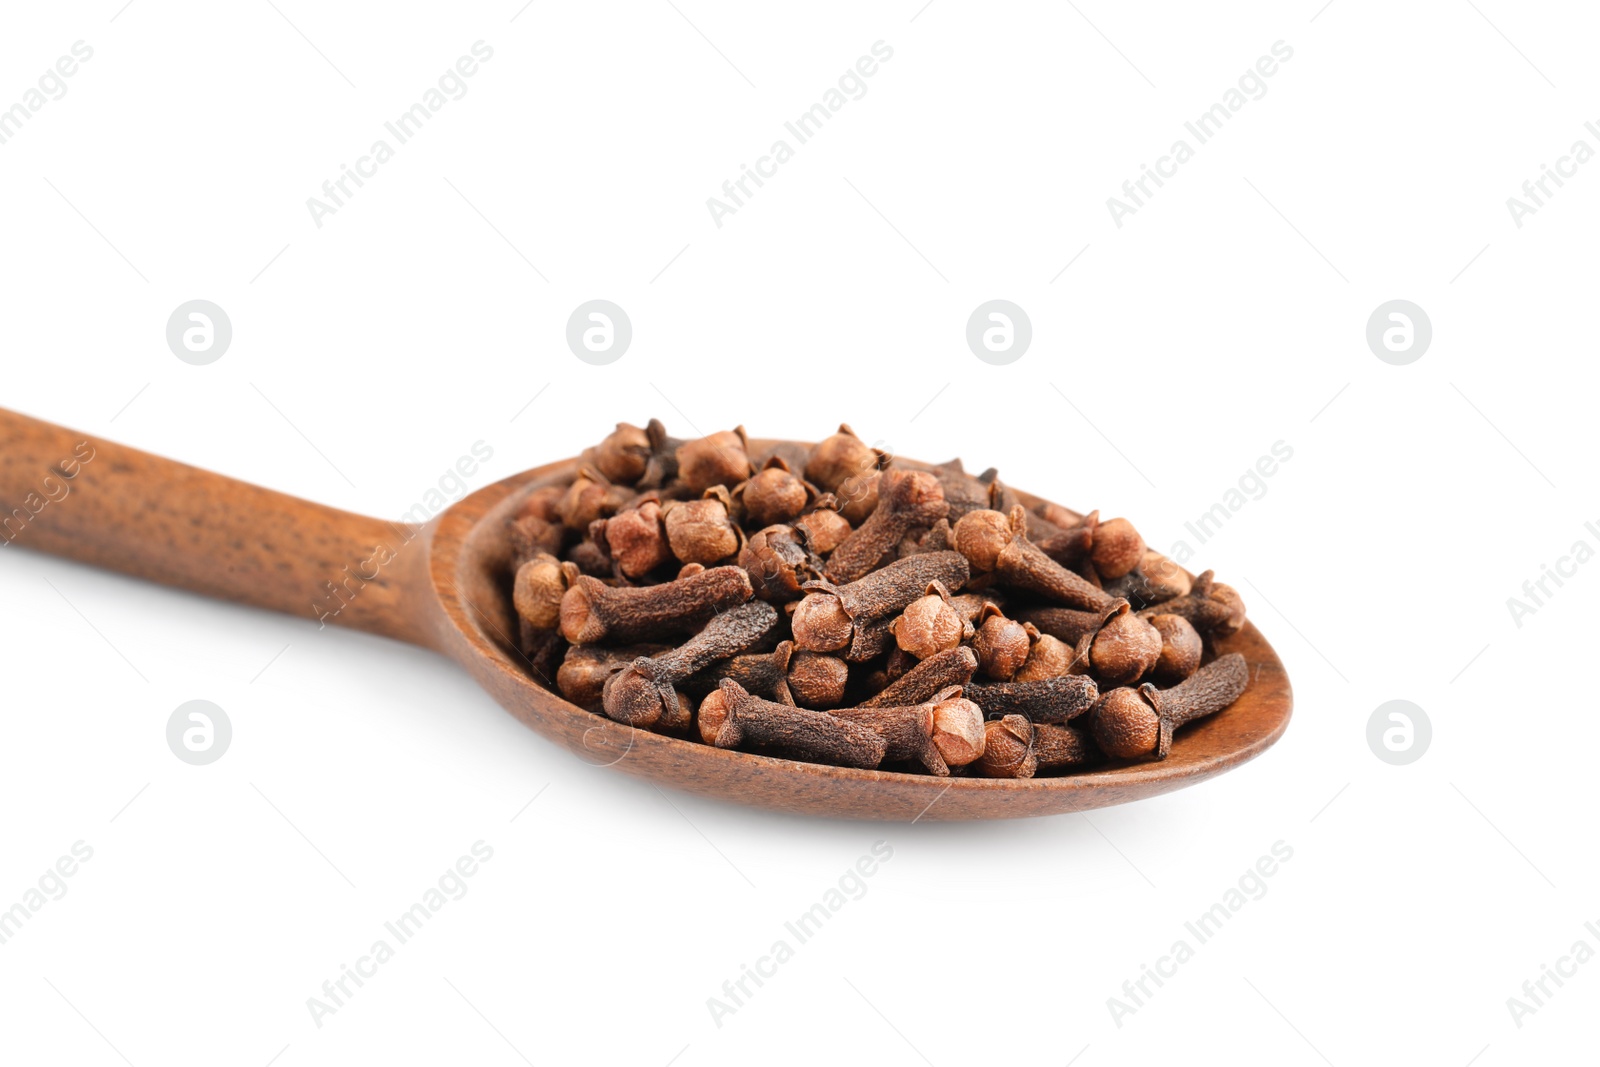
point(154, 518)
point(446, 587)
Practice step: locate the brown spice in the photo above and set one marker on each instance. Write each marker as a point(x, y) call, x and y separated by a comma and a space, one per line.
point(583, 673)
point(1047, 700)
point(779, 562)
point(537, 591)
point(998, 544)
point(716, 459)
point(591, 497)
point(840, 456)
point(700, 531)
point(642, 694)
point(636, 538)
point(1020, 749)
point(1181, 649)
point(930, 625)
point(827, 618)
point(1138, 724)
point(733, 718)
point(825, 529)
point(1048, 657)
point(1124, 650)
point(1214, 609)
point(946, 669)
point(1002, 644)
point(624, 454)
point(773, 495)
point(591, 611)
point(906, 499)
point(817, 681)
point(1008, 748)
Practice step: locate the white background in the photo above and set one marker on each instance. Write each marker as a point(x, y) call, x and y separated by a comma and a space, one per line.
point(1226, 315)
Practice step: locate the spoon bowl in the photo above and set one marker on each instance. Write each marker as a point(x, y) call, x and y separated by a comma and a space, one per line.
point(444, 584)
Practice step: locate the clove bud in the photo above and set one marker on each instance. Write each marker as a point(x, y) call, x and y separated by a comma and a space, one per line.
point(583, 673)
point(537, 591)
point(592, 611)
point(1047, 700)
point(930, 625)
point(642, 694)
point(716, 459)
point(773, 495)
point(998, 544)
point(732, 718)
point(1181, 648)
point(1003, 645)
point(1138, 723)
point(700, 531)
point(1213, 609)
point(636, 538)
point(907, 499)
point(840, 456)
point(830, 616)
point(1017, 748)
point(779, 562)
point(952, 668)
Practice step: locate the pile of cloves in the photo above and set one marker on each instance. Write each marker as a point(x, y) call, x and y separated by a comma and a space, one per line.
point(833, 604)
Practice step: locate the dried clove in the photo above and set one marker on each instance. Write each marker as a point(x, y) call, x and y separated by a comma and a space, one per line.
point(1120, 648)
point(591, 611)
point(907, 499)
point(826, 620)
point(636, 538)
point(766, 674)
point(1057, 699)
point(930, 625)
point(700, 531)
point(536, 525)
point(998, 544)
point(624, 454)
point(779, 562)
point(716, 459)
point(840, 456)
point(1008, 748)
point(934, 539)
point(1048, 657)
point(802, 679)
point(1124, 649)
point(816, 680)
point(662, 466)
point(1181, 648)
point(825, 529)
point(732, 718)
point(591, 557)
point(1112, 548)
point(1003, 645)
point(1155, 580)
point(591, 497)
point(773, 495)
point(643, 695)
point(583, 673)
point(858, 496)
point(962, 491)
point(1213, 609)
point(1138, 723)
point(1017, 748)
point(937, 672)
point(537, 591)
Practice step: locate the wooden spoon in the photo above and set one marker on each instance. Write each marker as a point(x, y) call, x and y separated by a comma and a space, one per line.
point(443, 585)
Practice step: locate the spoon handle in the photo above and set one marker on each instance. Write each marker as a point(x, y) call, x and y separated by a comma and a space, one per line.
point(76, 495)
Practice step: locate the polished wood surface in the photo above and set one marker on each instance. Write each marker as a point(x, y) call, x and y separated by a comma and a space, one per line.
point(444, 586)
